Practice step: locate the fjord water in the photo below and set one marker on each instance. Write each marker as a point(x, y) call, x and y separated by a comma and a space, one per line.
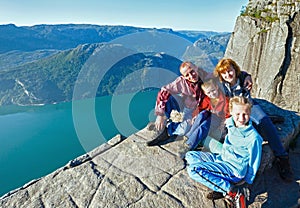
point(36, 140)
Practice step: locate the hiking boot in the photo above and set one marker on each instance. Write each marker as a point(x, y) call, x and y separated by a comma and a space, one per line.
point(163, 136)
point(284, 168)
point(236, 199)
point(214, 195)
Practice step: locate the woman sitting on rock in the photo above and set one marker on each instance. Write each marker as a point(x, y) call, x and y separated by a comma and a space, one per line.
point(232, 78)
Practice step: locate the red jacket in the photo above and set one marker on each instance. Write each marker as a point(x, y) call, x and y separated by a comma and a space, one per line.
point(221, 109)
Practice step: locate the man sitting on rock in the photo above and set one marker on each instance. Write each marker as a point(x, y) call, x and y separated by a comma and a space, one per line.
point(183, 93)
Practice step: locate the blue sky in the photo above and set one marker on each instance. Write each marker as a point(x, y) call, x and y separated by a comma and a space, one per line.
point(212, 15)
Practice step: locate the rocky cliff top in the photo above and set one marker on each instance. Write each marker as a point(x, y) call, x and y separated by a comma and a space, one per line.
point(273, 9)
point(127, 173)
point(265, 43)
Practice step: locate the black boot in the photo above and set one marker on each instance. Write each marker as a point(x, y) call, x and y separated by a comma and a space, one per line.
point(284, 168)
point(163, 136)
point(214, 195)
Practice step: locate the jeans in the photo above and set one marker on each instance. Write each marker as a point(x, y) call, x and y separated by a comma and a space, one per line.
point(199, 129)
point(267, 130)
point(203, 168)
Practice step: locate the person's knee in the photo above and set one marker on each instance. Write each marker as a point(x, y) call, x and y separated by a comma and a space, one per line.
point(258, 115)
point(265, 123)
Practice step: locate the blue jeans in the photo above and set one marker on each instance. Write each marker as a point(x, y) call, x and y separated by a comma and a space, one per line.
point(199, 129)
point(203, 168)
point(267, 130)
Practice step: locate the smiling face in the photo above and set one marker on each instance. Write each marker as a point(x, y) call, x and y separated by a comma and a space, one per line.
point(189, 72)
point(211, 91)
point(240, 115)
point(229, 76)
point(228, 71)
point(240, 110)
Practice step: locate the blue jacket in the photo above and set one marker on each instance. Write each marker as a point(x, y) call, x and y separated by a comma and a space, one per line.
point(242, 150)
point(237, 89)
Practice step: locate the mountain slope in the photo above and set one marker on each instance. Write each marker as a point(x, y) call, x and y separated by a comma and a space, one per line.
point(41, 64)
point(52, 79)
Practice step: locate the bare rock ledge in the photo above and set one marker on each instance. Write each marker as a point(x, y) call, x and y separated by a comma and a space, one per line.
point(127, 173)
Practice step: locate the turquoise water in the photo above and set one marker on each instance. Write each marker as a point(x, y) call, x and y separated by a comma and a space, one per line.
point(35, 141)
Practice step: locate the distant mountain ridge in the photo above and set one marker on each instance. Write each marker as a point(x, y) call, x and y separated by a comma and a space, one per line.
point(40, 64)
point(65, 36)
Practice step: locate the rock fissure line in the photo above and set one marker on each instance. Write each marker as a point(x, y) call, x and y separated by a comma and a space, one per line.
point(143, 184)
point(137, 201)
point(173, 197)
point(95, 170)
point(72, 201)
point(93, 195)
point(287, 57)
point(171, 176)
point(41, 202)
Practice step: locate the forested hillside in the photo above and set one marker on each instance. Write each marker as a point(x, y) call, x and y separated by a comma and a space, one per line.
point(40, 64)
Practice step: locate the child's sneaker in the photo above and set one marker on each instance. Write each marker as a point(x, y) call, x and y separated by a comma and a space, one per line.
point(237, 199)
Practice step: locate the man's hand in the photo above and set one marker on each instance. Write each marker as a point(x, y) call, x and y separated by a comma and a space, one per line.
point(160, 123)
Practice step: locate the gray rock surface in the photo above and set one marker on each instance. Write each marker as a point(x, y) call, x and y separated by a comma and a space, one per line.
point(265, 43)
point(127, 173)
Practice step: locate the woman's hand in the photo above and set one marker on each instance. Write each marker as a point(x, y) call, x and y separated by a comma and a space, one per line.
point(248, 83)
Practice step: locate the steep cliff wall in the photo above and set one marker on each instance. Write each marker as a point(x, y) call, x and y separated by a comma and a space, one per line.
point(266, 43)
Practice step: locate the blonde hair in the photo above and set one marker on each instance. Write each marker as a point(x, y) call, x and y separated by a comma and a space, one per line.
point(239, 100)
point(208, 83)
point(224, 65)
